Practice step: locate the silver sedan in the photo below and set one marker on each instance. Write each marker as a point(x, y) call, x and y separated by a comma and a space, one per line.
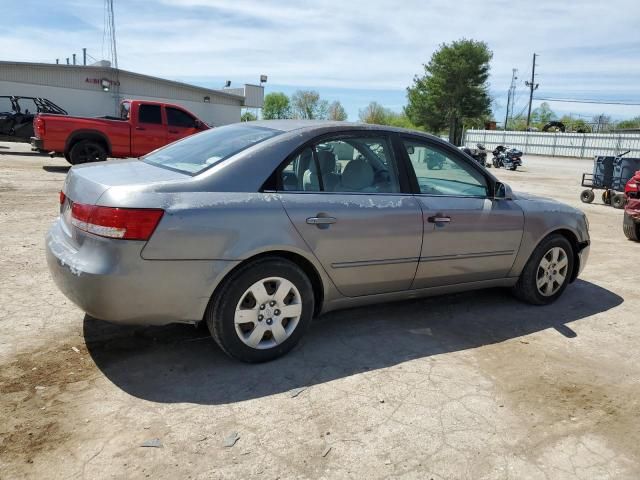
point(255, 228)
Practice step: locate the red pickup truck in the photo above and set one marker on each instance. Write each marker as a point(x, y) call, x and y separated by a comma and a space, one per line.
point(141, 128)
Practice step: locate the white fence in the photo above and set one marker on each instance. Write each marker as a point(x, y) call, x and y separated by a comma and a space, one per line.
point(558, 144)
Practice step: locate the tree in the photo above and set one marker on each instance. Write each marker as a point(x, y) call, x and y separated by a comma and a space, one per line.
point(247, 116)
point(276, 105)
point(306, 104)
point(337, 112)
point(543, 115)
point(601, 123)
point(454, 88)
point(629, 123)
point(374, 113)
point(575, 124)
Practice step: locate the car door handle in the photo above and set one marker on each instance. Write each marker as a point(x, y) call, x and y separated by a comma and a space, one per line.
point(321, 220)
point(140, 128)
point(439, 218)
point(173, 131)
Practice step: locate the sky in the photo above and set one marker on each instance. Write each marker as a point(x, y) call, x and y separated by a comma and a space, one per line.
point(354, 51)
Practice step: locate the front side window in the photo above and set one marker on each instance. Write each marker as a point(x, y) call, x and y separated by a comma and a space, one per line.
point(179, 118)
point(196, 153)
point(440, 173)
point(150, 114)
point(343, 165)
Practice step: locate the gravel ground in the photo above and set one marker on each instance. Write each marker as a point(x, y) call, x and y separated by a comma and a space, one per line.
point(471, 385)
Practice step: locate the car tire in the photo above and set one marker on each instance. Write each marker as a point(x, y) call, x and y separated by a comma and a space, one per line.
point(630, 228)
point(86, 151)
point(587, 196)
point(268, 335)
point(538, 283)
point(618, 200)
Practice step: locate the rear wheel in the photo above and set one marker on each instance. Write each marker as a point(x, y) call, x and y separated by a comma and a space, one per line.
point(262, 310)
point(587, 196)
point(547, 273)
point(630, 228)
point(86, 151)
point(618, 200)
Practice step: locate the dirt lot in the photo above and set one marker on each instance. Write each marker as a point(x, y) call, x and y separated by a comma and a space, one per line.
point(465, 386)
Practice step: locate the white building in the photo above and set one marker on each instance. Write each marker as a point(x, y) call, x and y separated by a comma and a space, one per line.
point(96, 90)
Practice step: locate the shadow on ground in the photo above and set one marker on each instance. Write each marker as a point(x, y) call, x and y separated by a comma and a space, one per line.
point(179, 363)
point(56, 168)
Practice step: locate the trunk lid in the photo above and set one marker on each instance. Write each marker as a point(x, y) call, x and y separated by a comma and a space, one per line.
point(86, 183)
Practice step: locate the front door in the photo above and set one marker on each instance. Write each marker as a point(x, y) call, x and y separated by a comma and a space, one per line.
point(468, 235)
point(180, 124)
point(344, 197)
point(149, 133)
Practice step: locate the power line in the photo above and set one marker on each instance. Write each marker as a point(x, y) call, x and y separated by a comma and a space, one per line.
point(575, 100)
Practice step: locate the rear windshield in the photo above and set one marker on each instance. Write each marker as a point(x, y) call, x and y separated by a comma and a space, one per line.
point(198, 152)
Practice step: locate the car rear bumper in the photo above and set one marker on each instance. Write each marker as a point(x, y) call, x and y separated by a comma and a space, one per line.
point(110, 281)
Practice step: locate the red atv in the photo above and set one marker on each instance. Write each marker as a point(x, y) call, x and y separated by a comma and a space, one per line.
point(631, 223)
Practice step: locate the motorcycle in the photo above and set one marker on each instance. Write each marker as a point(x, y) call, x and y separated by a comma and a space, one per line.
point(479, 154)
point(507, 158)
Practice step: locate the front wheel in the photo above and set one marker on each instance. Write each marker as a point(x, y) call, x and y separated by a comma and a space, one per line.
point(547, 273)
point(262, 310)
point(587, 196)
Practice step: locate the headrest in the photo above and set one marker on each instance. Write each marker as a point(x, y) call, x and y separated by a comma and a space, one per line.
point(357, 175)
point(327, 161)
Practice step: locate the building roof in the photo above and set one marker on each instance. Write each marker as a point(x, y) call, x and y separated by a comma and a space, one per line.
point(108, 69)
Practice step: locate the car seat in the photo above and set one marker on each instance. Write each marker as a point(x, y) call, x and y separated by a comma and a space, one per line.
point(357, 176)
point(330, 179)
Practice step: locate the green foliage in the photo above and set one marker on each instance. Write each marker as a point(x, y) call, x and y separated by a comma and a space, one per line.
point(454, 88)
point(629, 123)
point(373, 113)
point(376, 113)
point(337, 112)
point(542, 115)
point(276, 106)
point(306, 104)
point(247, 116)
point(575, 124)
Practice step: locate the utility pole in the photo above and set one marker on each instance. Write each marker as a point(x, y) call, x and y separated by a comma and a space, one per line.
point(532, 86)
point(510, 95)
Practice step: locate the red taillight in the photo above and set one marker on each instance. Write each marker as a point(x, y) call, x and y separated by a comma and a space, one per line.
point(39, 126)
point(63, 197)
point(124, 223)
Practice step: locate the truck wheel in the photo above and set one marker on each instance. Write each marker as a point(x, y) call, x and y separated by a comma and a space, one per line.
point(618, 200)
point(587, 196)
point(86, 151)
point(630, 228)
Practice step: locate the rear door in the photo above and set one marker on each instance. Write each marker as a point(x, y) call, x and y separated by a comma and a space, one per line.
point(149, 132)
point(468, 235)
point(180, 124)
point(347, 198)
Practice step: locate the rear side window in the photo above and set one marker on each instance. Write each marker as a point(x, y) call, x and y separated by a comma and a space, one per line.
point(196, 153)
point(150, 114)
point(178, 118)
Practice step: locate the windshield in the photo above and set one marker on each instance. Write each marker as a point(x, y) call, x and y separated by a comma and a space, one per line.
point(198, 152)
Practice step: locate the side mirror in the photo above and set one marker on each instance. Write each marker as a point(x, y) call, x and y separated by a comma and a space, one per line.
point(502, 191)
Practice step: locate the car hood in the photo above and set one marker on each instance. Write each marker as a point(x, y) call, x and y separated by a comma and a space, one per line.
point(86, 183)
